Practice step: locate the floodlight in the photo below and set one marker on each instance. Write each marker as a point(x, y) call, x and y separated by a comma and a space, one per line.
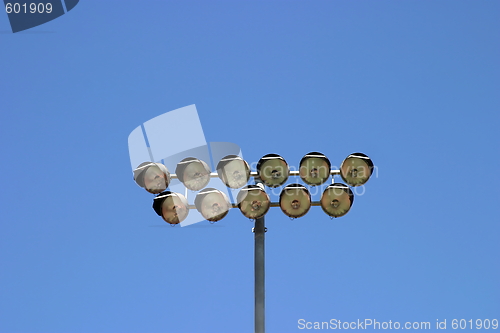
point(314, 168)
point(253, 201)
point(193, 173)
point(154, 177)
point(337, 199)
point(172, 207)
point(273, 170)
point(212, 204)
point(233, 171)
point(295, 200)
point(356, 169)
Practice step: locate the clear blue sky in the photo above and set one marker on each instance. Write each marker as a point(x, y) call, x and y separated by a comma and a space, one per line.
point(413, 84)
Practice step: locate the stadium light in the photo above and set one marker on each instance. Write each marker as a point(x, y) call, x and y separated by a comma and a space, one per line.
point(153, 177)
point(193, 173)
point(295, 200)
point(337, 200)
point(233, 171)
point(212, 204)
point(356, 169)
point(314, 168)
point(172, 207)
point(253, 201)
point(272, 170)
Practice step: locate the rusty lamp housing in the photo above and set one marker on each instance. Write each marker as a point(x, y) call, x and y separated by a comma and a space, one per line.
point(273, 170)
point(314, 168)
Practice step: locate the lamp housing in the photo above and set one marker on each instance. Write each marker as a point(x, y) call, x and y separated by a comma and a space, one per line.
point(337, 199)
point(233, 171)
point(212, 204)
point(356, 169)
point(273, 170)
point(172, 207)
point(314, 168)
point(193, 173)
point(295, 200)
point(253, 201)
point(153, 177)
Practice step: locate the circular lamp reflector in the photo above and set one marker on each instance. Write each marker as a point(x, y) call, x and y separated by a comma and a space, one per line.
point(314, 168)
point(356, 169)
point(233, 171)
point(153, 177)
point(295, 200)
point(273, 170)
point(193, 173)
point(172, 207)
point(253, 201)
point(337, 199)
point(212, 204)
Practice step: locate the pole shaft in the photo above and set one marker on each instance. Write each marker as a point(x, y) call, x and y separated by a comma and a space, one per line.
point(259, 231)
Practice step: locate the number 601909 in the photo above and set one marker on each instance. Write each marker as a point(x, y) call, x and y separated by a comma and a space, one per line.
point(25, 8)
point(477, 324)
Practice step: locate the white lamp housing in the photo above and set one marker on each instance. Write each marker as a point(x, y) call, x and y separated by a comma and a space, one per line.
point(172, 207)
point(153, 177)
point(233, 171)
point(212, 204)
point(193, 173)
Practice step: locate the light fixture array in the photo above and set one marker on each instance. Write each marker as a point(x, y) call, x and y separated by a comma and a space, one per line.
point(252, 200)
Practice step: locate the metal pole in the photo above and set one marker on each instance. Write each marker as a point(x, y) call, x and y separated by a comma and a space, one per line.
point(259, 267)
point(259, 231)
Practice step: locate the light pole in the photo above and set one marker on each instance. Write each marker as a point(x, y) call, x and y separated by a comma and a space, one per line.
point(252, 200)
point(259, 268)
